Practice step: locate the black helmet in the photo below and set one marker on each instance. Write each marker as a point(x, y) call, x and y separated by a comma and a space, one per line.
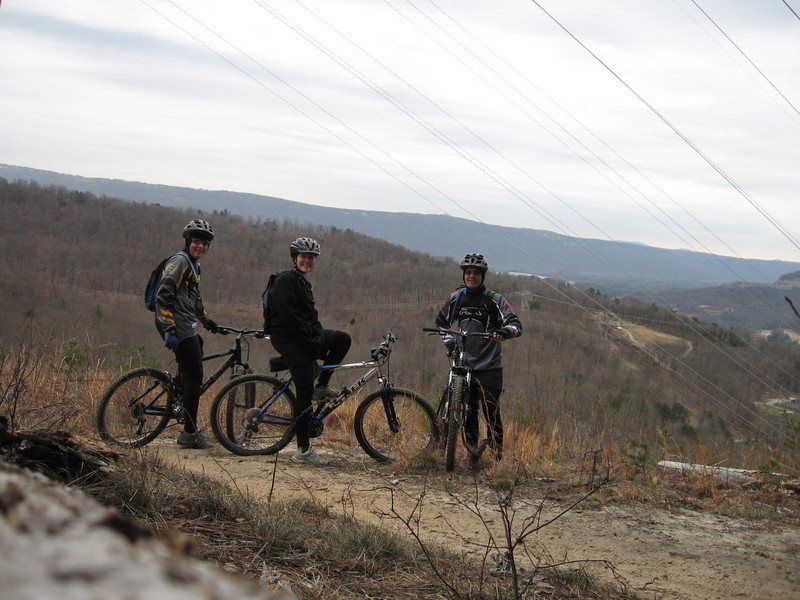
point(304, 245)
point(198, 228)
point(475, 261)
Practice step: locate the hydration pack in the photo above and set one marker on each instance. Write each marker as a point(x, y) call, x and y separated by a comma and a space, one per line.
point(152, 283)
point(265, 303)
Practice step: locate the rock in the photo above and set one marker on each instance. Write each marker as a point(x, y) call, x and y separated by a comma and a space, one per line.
point(57, 542)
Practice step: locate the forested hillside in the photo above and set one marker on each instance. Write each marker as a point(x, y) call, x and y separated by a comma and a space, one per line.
point(74, 267)
point(615, 267)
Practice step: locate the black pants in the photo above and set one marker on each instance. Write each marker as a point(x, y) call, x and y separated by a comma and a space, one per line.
point(487, 386)
point(189, 355)
point(304, 370)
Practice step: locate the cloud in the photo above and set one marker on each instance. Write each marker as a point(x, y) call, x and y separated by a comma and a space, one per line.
point(483, 110)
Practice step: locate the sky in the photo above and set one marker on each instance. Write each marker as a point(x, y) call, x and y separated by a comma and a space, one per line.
point(669, 123)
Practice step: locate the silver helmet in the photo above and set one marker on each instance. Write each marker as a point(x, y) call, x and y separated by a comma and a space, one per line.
point(198, 228)
point(304, 245)
point(476, 261)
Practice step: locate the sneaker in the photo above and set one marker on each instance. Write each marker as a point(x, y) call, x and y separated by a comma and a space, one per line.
point(309, 457)
point(323, 392)
point(193, 441)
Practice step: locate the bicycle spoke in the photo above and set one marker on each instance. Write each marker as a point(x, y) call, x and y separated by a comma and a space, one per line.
point(135, 408)
point(253, 414)
point(415, 430)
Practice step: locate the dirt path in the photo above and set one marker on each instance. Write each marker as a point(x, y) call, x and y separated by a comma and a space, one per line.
point(683, 555)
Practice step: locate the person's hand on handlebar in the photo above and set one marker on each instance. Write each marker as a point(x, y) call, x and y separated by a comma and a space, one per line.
point(499, 335)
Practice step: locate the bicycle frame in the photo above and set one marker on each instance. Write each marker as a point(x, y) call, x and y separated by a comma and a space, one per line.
point(139, 404)
point(454, 416)
point(380, 356)
point(234, 361)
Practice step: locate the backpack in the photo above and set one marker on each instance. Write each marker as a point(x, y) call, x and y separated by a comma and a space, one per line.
point(152, 283)
point(265, 303)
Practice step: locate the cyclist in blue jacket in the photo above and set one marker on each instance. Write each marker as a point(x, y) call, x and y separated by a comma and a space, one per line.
point(477, 309)
point(178, 309)
point(298, 336)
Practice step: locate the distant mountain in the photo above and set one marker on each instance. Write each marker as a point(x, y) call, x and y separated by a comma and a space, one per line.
point(613, 267)
point(741, 304)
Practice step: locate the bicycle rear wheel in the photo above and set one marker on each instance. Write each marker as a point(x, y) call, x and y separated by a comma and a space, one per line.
point(135, 408)
point(454, 417)
point(253, 414)
point(416, 428)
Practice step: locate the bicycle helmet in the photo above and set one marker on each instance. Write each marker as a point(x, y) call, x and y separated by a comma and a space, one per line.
point(304, 245)
point(198, 228)
point(475, 261)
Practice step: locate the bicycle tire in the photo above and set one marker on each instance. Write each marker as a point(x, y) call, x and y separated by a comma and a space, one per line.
point(418, 431)
point(454, 417)
point(249, 400)
point(252, 416)
point(135, 408)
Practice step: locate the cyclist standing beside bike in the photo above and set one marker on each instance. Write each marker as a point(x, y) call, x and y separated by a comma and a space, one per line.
point(178, 309)
point(298, 336)
point(480, 310)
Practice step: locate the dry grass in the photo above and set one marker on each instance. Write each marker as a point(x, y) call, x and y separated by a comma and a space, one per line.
point(325, 556)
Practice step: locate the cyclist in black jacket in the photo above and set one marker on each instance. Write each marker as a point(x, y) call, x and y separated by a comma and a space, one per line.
point(480, 310)
point(179, 307)
point(298, 336)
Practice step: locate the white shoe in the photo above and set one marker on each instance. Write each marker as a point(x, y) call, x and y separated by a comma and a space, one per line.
point(309, 457)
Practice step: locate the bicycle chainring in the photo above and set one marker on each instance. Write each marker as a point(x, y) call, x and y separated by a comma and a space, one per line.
point(315, 428)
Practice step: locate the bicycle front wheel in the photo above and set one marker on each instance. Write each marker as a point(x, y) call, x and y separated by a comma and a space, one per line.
point(402, 427)
point(253, 414)
point(135, 408)
point(454, 417)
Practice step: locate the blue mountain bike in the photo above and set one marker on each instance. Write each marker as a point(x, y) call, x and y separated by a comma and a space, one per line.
point(256, 414)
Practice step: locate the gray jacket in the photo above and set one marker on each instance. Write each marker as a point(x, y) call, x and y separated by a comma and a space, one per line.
point(479, 310)
point(178, 302)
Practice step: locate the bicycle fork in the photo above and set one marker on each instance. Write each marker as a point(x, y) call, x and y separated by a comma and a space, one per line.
point(388, 406)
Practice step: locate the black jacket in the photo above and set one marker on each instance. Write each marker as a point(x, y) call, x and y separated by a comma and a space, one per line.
point(292, 314)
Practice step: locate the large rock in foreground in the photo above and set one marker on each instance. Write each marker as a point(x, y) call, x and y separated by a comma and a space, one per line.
point(56, 542)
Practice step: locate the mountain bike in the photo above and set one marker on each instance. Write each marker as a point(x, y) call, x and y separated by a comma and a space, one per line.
point(454, 409)
point(390, 424)
point(137, 407)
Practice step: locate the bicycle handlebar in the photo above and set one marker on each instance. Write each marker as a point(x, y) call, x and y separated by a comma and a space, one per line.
point(385, 347)
point(445, 331)
point(224, 330)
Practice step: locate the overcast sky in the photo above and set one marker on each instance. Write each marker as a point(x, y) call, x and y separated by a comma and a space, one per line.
point(670, 123)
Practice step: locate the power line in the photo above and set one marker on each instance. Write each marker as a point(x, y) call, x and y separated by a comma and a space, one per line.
point(746, 57)
point(677, 132)
point(387, 96)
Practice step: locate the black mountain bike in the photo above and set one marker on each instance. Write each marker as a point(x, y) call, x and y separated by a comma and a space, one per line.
point(255, 414)
point(137, 407)
point(454, 408)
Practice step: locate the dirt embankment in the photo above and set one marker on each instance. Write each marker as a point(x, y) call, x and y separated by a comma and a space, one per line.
point(661, 554)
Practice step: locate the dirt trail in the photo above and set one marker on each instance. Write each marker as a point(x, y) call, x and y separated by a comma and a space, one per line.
point(683, 555)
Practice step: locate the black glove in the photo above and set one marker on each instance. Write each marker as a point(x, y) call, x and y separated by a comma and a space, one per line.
point(171, 341)
point(502, 333)
point(210, 325)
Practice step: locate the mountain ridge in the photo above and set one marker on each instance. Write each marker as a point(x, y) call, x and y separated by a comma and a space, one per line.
point(616, 267)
